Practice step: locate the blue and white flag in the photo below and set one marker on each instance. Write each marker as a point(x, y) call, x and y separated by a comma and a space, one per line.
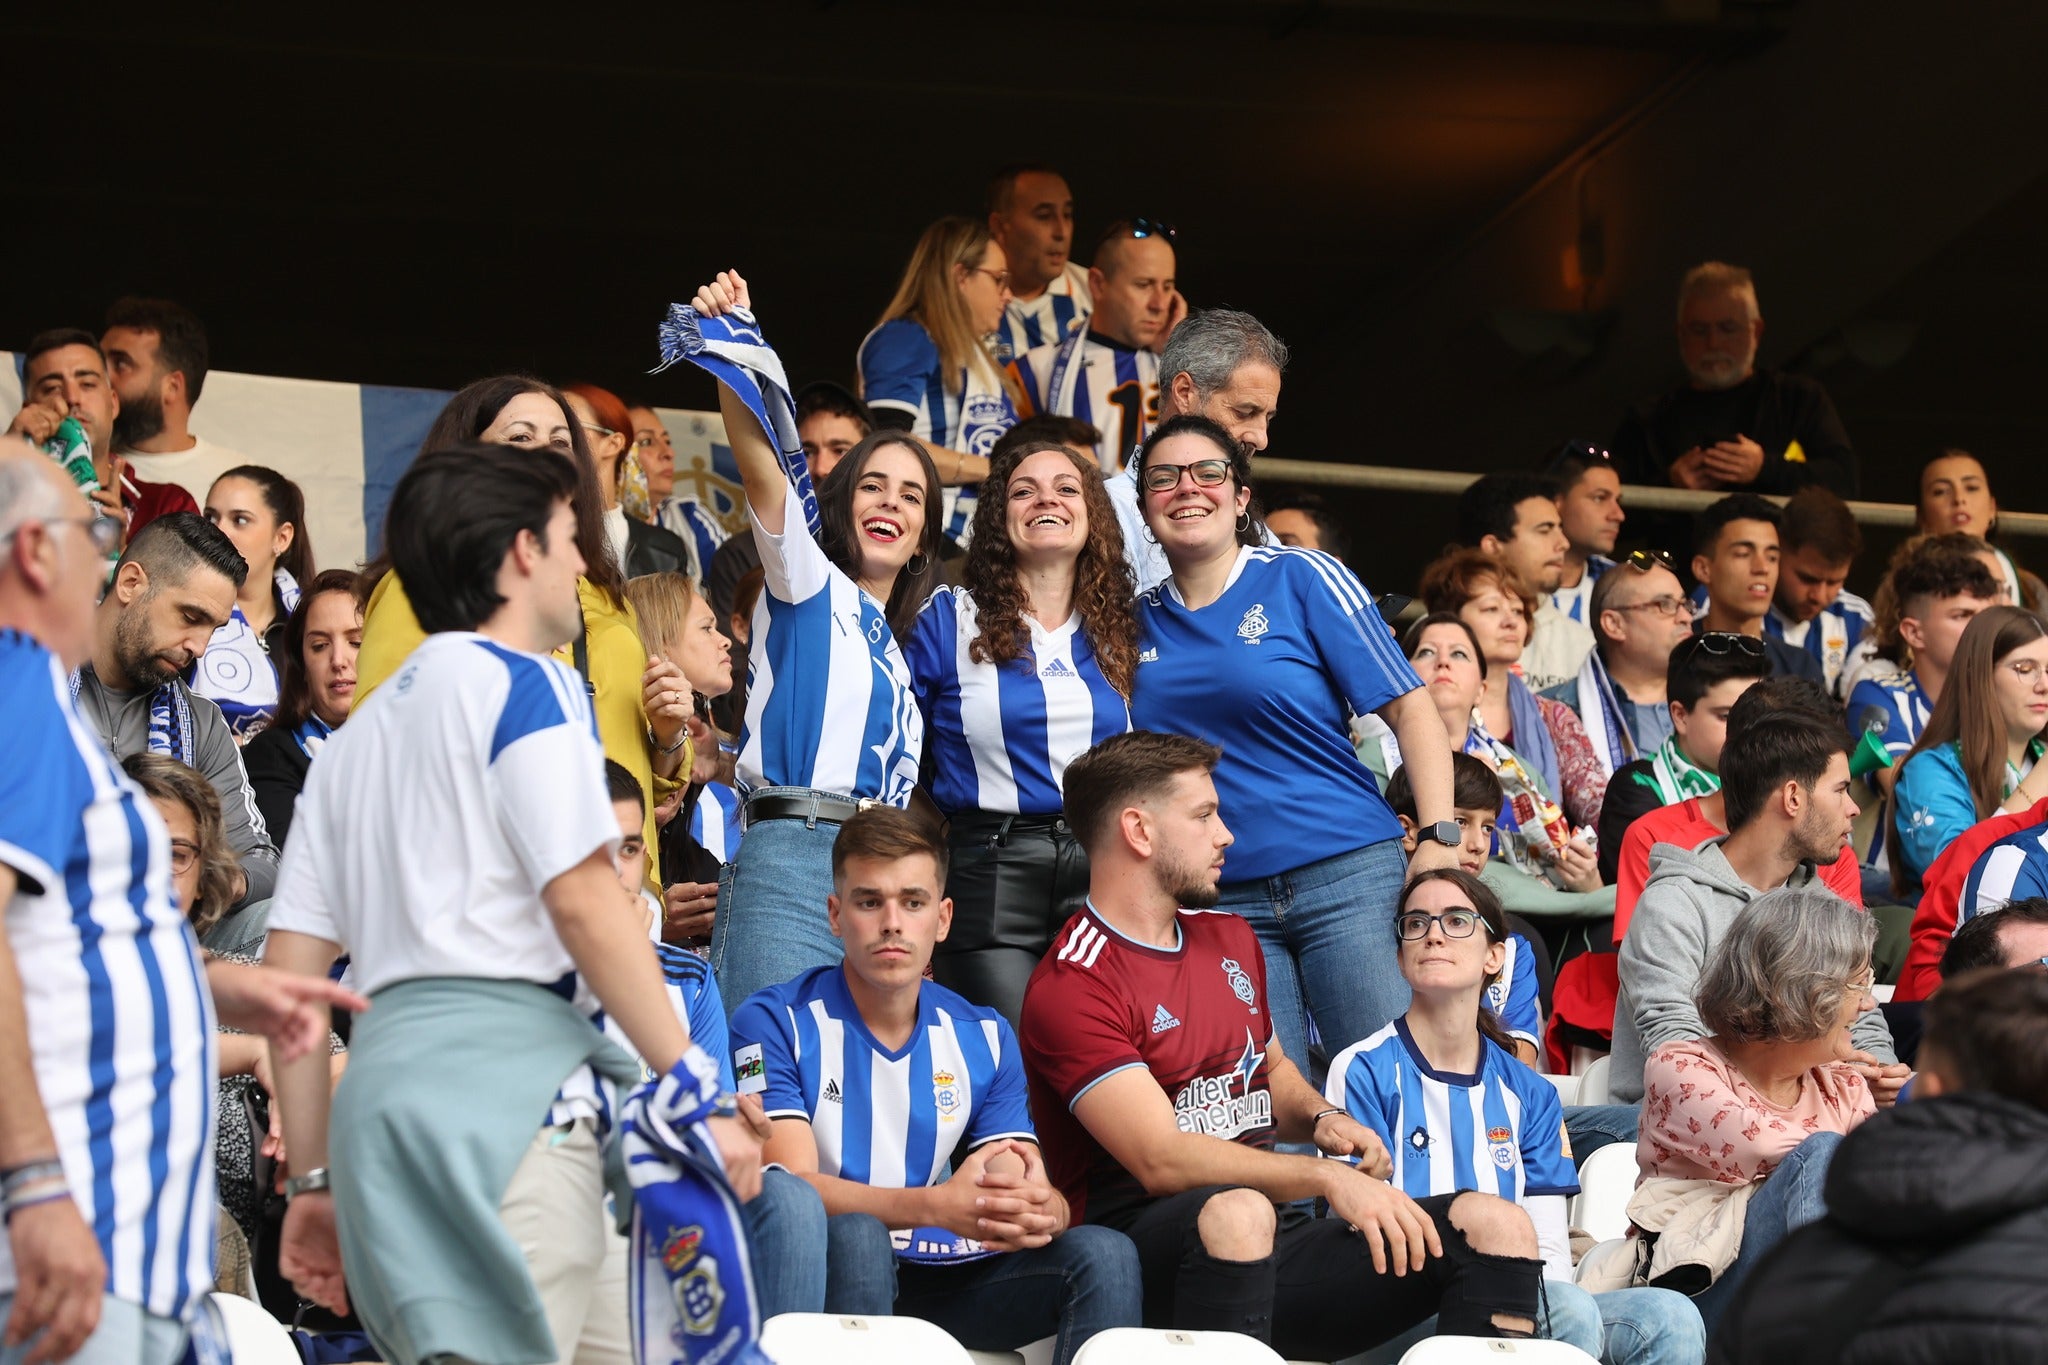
point(690, 1283)
point(733, 351)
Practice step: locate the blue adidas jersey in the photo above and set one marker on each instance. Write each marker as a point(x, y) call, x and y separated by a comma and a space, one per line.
point(1273, 671)
point(1047, 320)
point(893, 1119)
point(1111, 386)
point(1829, 637)
point(1001, 738)
point(828, 696)
point(2013, 869)
point(693, 994)
point(1499, 1131)
point(120, 1022)
point(1515, 997)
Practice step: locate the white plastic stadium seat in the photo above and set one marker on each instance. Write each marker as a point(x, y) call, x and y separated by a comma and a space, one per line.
point(1567, 1086)
point(254, 1337)
point(1037, 1353)
point(1494, 1351)
point(1593, 1084)
point(1142, 1346)
point(1605, 1183)
point(805, 1337)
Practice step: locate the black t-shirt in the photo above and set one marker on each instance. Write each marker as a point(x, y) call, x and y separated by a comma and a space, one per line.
point(1774, 410)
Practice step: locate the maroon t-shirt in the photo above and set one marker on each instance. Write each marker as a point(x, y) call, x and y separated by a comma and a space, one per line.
point(1194, 1016)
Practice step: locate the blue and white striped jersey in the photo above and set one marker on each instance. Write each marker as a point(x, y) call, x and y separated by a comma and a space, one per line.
point(693, 994)
point(1577, 600)
point(1499, 1131)
point(1111, 386)
point(715, 821)
point(1906, 711)
point(898, 367)
point(1516, 997)
point(1048, 319)
point(702, 532)
point(829, 704)
point(894, 1120)
point(1829, 637)
point(1273, 670)
point(1001, 738)
point(120, 1022)
point(2013, 869)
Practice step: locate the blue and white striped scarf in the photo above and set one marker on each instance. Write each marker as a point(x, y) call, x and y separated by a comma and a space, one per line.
point(690, 1284)
point(733, 351)
point(1600, 712)
point(170, 719)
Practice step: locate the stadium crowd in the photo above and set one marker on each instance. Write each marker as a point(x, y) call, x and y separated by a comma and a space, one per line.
point(1023, 879)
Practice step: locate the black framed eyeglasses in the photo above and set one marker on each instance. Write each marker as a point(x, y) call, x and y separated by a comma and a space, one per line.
point(1164, 478)
point(1727, 642)
point(1414, 924)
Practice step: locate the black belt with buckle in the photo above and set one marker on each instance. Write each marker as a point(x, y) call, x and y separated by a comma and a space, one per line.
point(815, 808)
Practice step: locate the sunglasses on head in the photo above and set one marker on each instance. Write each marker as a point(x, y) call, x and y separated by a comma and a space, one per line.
point(1642, 561)
point(1152, 227)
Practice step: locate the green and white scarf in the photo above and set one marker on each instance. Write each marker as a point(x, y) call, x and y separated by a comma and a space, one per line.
point(1676, 777)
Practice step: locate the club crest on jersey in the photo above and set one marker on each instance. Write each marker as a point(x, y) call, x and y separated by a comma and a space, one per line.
point(1254, 624)
point(1240, 982)
point(1502, 1143)
point(1419, 1140)
point(946, 1092)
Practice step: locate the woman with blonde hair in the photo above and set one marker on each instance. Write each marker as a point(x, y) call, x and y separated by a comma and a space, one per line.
point(927, 368)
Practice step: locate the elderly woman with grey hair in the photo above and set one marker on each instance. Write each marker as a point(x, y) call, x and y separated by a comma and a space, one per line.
point(1764, 1099)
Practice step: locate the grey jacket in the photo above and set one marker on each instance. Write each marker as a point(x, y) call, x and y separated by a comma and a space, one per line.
point(121, 720)
point(1688, 903)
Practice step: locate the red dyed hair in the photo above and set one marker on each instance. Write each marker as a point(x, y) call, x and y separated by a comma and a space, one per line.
point(611, 412)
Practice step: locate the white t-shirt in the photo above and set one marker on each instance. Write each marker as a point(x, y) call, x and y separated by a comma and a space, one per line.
point(434, 818)
point(193, 470)
point(615, 533)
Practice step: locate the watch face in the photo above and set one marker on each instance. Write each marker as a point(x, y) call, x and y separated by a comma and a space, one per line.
point(1446, 832)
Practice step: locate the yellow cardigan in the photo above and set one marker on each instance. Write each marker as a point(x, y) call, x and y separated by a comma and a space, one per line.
point(617, 659)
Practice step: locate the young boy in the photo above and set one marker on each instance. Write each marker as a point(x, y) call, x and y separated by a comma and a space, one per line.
point(1476, 797)
point(906, 1108)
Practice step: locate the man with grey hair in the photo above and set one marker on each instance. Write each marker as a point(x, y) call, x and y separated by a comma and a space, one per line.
point(1731, 425)
point(173, 587)
point(107, 1009)
point(1224, 365)
point(1785, 789)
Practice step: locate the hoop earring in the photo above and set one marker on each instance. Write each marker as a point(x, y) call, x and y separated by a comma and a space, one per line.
point(1244, 521)
point(913, 568)
point(1146, 531)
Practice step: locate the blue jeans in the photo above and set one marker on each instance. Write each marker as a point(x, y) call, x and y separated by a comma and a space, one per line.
point(786, 1245)
point(1083, 1282)
point(1593, 1126)
point(1626, 1327)
point(1328, 934)
point(1788, 1200)
point(771, 923)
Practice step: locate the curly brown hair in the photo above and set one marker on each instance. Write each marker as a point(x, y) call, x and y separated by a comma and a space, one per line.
point(1105, 590)
point(167, 780)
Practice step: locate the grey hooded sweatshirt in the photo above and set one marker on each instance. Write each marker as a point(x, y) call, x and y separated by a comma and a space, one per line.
point(1688, 903)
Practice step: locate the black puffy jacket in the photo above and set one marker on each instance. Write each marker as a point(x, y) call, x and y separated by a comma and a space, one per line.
point(1934, 1250)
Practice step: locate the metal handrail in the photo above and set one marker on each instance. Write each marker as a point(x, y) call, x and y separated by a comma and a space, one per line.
point(1449, 483)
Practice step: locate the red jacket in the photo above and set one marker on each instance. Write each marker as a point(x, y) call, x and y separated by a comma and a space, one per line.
point(1934, 923)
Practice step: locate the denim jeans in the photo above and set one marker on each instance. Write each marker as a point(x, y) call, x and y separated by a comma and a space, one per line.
point(771, 923)
point(1626, 1327)
point(1083, 1282)
point(1593, 1126)
point(786, 1245)
point(1328, 934)
point(1788, 1200)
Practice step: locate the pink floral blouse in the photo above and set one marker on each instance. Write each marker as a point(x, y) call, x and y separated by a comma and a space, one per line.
point(1703, 1120)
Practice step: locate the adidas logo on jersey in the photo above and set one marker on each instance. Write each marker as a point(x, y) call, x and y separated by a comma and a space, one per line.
point(1056, 669)
point(832, 1093)
point(1162, 1021)
point(1148, 656)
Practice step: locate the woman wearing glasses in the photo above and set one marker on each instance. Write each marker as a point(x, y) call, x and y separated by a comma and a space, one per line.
point(927, 369)
point(1021, 669)
point(607, 422)
point(1456, 1110)
point(1739, 1126)
point(1979, 755)
point(1268, 651)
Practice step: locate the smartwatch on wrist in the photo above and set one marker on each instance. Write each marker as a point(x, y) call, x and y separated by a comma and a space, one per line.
point(1445, 832)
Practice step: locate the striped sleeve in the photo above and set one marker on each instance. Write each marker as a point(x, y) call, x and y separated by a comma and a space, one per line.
point(1356, 646)
point(2006, 873)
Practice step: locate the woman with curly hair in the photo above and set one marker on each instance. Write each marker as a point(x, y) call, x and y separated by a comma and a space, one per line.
point(1026, 666)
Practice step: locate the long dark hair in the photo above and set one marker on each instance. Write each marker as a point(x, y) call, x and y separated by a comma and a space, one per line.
point(463, 422)
point(1968, 712)
point(1105, 591)
point(835, 511)
point(294, 688)
point(287, 504)
point(1487, 906)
